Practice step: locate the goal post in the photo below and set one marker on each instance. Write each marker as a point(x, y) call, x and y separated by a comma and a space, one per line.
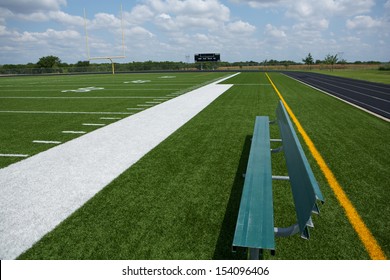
point(111, 57)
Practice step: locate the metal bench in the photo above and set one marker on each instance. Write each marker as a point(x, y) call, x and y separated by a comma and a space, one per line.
point(255, 223)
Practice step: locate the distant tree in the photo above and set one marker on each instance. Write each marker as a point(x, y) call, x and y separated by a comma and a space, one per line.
point(331, 60)
point(308, 60)
point(49, 62)
point(82, 63)
point(342, 61)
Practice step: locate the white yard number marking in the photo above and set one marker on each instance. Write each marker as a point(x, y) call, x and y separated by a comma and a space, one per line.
point(167, 77)
point(86, 89)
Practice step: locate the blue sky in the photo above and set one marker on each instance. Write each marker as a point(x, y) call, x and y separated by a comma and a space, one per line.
point(159, 30)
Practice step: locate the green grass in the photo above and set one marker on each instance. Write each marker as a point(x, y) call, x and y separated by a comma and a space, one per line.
point(355, 146)
point(370, 75)
point(44, 94)
point(181, 200)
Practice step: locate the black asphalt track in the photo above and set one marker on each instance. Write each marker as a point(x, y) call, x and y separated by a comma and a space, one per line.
point(374, 97)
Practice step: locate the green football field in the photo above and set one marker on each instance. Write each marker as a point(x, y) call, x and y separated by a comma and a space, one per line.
point(60, 108)
point(181, 200)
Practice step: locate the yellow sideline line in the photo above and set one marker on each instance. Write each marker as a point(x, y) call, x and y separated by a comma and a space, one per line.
point(368, 240)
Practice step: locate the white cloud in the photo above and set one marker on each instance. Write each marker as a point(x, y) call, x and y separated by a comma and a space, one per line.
point(37, 11)
point(139, 14)
point(165, 21)
point(50, 35)
point(139, 31)
point(241, 27)
point(170, 29)
point(363, 22)
point(274, 31)
point(4, 13)
point(104, 20)
point(192, 8)
point(308, 8)
point(317, 25)
point(3, 30)
point(66, 19)
point(186, 13)
point(29, 7)
point(262, 3)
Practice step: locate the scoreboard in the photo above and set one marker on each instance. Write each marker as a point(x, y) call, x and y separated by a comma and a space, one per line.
point(203, 57)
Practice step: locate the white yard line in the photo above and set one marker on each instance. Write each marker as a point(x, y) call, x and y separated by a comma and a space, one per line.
point(73, 132)
point(12, 155)
point(61, 112)
point(46, 142)
point(93, 124)
point(38, 193)
point(137, 109)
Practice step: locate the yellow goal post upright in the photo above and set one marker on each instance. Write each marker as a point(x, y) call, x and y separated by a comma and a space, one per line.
point(110, 58)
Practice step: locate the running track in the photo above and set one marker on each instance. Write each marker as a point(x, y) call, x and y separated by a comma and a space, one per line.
point(373, 97)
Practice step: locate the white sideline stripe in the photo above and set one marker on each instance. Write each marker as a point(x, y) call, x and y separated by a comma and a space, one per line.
point(38, 193)
point(13, 155)
point(94, 124)
point(145, 105)
point(153, 102)
point(60, 112)
point(108, 118)
point(74, 132)
point(46, 142)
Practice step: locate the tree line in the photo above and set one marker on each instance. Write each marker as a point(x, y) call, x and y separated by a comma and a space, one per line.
point(53, 64)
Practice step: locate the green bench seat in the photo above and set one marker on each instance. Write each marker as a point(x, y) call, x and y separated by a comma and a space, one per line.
point(255, 223)
point(255, 217)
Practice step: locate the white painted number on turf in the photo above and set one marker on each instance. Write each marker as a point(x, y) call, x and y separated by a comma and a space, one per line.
point(86, 89)
point(167, 77)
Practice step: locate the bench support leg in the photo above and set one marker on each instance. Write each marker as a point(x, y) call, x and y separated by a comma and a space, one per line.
point(255, 254)
point(288, 231)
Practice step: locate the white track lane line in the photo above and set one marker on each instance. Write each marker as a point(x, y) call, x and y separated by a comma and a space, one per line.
point(38, 193)
point(345, 100)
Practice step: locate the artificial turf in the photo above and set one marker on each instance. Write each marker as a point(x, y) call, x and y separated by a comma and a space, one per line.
point(181, 200)
point(371, 75)
point(36, 108)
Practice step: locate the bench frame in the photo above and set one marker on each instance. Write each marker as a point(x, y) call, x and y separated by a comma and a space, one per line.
point(255, 224)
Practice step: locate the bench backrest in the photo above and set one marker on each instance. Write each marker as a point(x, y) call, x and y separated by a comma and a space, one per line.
point(304, 186)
